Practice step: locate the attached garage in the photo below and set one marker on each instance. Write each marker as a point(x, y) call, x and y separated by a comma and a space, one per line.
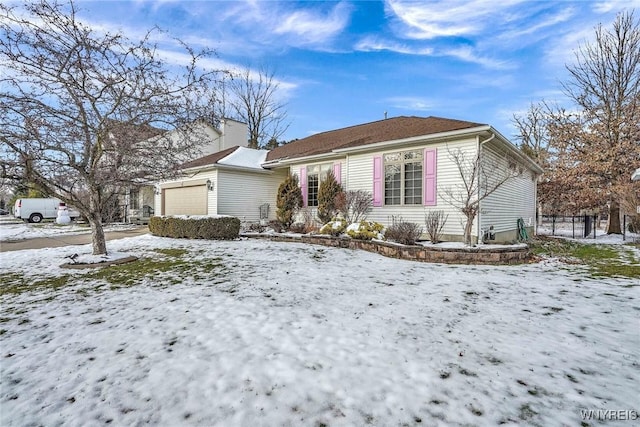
point(187, 200)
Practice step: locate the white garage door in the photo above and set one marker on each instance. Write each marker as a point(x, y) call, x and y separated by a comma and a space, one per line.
point(185, 200)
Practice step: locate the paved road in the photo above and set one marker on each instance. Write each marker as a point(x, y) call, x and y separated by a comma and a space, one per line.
point(67, 240)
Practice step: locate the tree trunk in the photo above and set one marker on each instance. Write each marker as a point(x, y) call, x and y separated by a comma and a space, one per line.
point(468, 227)
point(613, 223)
point(97, 236)
point(95, 220)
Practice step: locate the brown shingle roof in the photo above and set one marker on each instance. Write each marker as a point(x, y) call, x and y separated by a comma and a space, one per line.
point(210, 159)
point(368, 133)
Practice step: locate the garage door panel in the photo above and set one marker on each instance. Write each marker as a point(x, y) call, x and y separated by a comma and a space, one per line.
point(186, 200)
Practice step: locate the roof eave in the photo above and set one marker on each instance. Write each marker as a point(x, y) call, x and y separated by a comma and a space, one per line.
point(377, 145)
point(415, 139)
point(302, 159)
point(515, 150)
point(243, 169)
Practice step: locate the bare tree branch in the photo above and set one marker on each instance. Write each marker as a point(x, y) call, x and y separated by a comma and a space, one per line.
point(480, 176)
point(255, 102)
point(76, 104)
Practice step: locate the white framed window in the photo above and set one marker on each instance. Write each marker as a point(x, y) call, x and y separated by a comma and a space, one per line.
point(315, 175)
point(403, 178)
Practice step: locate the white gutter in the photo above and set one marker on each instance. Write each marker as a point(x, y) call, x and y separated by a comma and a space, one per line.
point(480, 145)
point(414, 139)
point(514, 150)
point(197, 169)
point(304, 159)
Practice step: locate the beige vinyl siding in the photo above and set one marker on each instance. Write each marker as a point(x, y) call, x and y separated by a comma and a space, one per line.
point(360, 177)
point(240, 193)
point(515, 199)
point(295, 170)
point(196, 179)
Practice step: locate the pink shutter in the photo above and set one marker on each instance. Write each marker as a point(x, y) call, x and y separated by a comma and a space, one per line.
point(303, 185)
point(377, 181)
point(337, 172)
point(429, 191)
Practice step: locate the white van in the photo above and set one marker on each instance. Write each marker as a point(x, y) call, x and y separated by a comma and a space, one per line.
point(35, 210)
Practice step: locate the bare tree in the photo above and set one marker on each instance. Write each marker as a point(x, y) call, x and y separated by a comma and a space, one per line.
point(480, 176)
point(533, 134)
point(254, 100)
point(75, 105)
point(434, 223)
point(605, 85)
point(534, 141)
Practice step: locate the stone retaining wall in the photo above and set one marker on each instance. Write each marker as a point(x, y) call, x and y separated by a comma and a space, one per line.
point(468, 255)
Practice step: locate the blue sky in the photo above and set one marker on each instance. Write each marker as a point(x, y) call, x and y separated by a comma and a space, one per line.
point(345, 63)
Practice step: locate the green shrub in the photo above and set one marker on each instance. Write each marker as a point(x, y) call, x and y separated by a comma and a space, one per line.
point(327, 198)
point(365, 230)
point(289, 200)
point(225, 228)
point(335, 227)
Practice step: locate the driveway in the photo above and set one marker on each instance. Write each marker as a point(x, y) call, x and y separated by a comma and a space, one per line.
point(56, 241)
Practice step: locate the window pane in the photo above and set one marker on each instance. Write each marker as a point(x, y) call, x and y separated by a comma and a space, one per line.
point(392, 184)
point(312, 189)
point(392, 157)
point(413, 183)
point(413, 155)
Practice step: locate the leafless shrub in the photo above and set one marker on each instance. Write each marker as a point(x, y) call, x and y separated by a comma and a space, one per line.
point(306, 222)
point(400, 231)
point(354, 205)
point(434, 222)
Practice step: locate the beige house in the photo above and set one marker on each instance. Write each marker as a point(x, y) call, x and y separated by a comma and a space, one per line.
point(406, 163)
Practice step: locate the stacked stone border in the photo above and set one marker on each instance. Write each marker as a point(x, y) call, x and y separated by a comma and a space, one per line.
point(435, 254)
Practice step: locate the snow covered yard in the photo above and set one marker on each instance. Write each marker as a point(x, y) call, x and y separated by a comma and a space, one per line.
point(12, 229)
point(264, 333)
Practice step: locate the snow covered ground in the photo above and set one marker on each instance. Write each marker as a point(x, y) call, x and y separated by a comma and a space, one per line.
point(568, 230)
point(264, 333)
point(12, 229)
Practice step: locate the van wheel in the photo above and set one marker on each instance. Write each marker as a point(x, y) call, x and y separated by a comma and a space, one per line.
point(35, 217)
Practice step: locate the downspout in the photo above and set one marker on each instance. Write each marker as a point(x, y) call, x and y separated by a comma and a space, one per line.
point(480, 144)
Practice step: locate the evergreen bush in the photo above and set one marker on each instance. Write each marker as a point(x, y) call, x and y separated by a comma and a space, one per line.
point(289, 200)
point(328, 193)
point(365, 230)
point(224, 228)
point(335, 227)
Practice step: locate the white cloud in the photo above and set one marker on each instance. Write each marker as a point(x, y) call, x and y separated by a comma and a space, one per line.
point(284, 25)
point(612, 5)
point(463, 53)
point(313, 27)
point(468, 54)
point(533, 31)
point(369, 44)
point(427, 20)
point(410, 103)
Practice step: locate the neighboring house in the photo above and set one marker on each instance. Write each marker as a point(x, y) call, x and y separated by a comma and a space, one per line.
point(405, 163)
point(139, 201)
point(230, 182)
